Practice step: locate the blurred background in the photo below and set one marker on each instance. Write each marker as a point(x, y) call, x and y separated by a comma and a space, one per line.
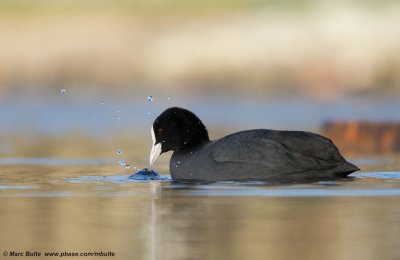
point(81, 83)
point(84, 79)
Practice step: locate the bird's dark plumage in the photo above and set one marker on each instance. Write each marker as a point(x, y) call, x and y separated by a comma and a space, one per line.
point(248, 155)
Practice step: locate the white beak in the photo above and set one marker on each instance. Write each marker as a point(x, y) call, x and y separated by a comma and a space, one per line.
point(155, 153)
point(155, 150)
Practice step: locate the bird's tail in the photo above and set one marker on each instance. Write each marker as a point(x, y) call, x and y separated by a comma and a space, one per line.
point(345, 168)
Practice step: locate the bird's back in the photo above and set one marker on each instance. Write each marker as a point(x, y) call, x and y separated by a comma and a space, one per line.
point(262, 155)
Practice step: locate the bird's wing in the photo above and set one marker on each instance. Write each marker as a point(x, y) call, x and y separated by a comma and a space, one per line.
point(310, 145)
point(276, 150)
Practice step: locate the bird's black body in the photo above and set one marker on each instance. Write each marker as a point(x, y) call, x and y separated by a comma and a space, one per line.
point(248, 155)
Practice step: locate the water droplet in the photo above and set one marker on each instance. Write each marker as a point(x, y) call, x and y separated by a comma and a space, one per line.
point(127, 166)
point(169, 98)
point(102, 103)
point(122, 162)
point(118, 110)
point(179, 162)
point(118, 118)
point(63, 90)
point(135, 167)
point(149, 113)
point(119, 151)
point(150, 98)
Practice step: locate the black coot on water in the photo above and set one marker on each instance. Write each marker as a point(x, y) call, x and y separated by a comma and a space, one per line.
point(259, 154)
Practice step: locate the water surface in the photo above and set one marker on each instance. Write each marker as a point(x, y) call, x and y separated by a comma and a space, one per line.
point(92, 205)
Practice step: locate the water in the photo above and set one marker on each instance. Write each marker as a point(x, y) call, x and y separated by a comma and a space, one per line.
point(59, 115)
point(122, 162)
point(86, 205)
point(65, 186)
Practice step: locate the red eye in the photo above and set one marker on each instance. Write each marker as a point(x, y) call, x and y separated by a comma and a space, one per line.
point(160, 131)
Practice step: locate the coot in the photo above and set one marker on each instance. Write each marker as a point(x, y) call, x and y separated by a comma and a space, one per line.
point(259, 154)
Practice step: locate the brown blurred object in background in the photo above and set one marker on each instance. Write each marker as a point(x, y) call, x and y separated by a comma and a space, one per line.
point(364, 137)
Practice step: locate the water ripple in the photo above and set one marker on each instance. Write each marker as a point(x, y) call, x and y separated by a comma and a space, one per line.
point(378, 175)
point(294, 192)
point(112, 179)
